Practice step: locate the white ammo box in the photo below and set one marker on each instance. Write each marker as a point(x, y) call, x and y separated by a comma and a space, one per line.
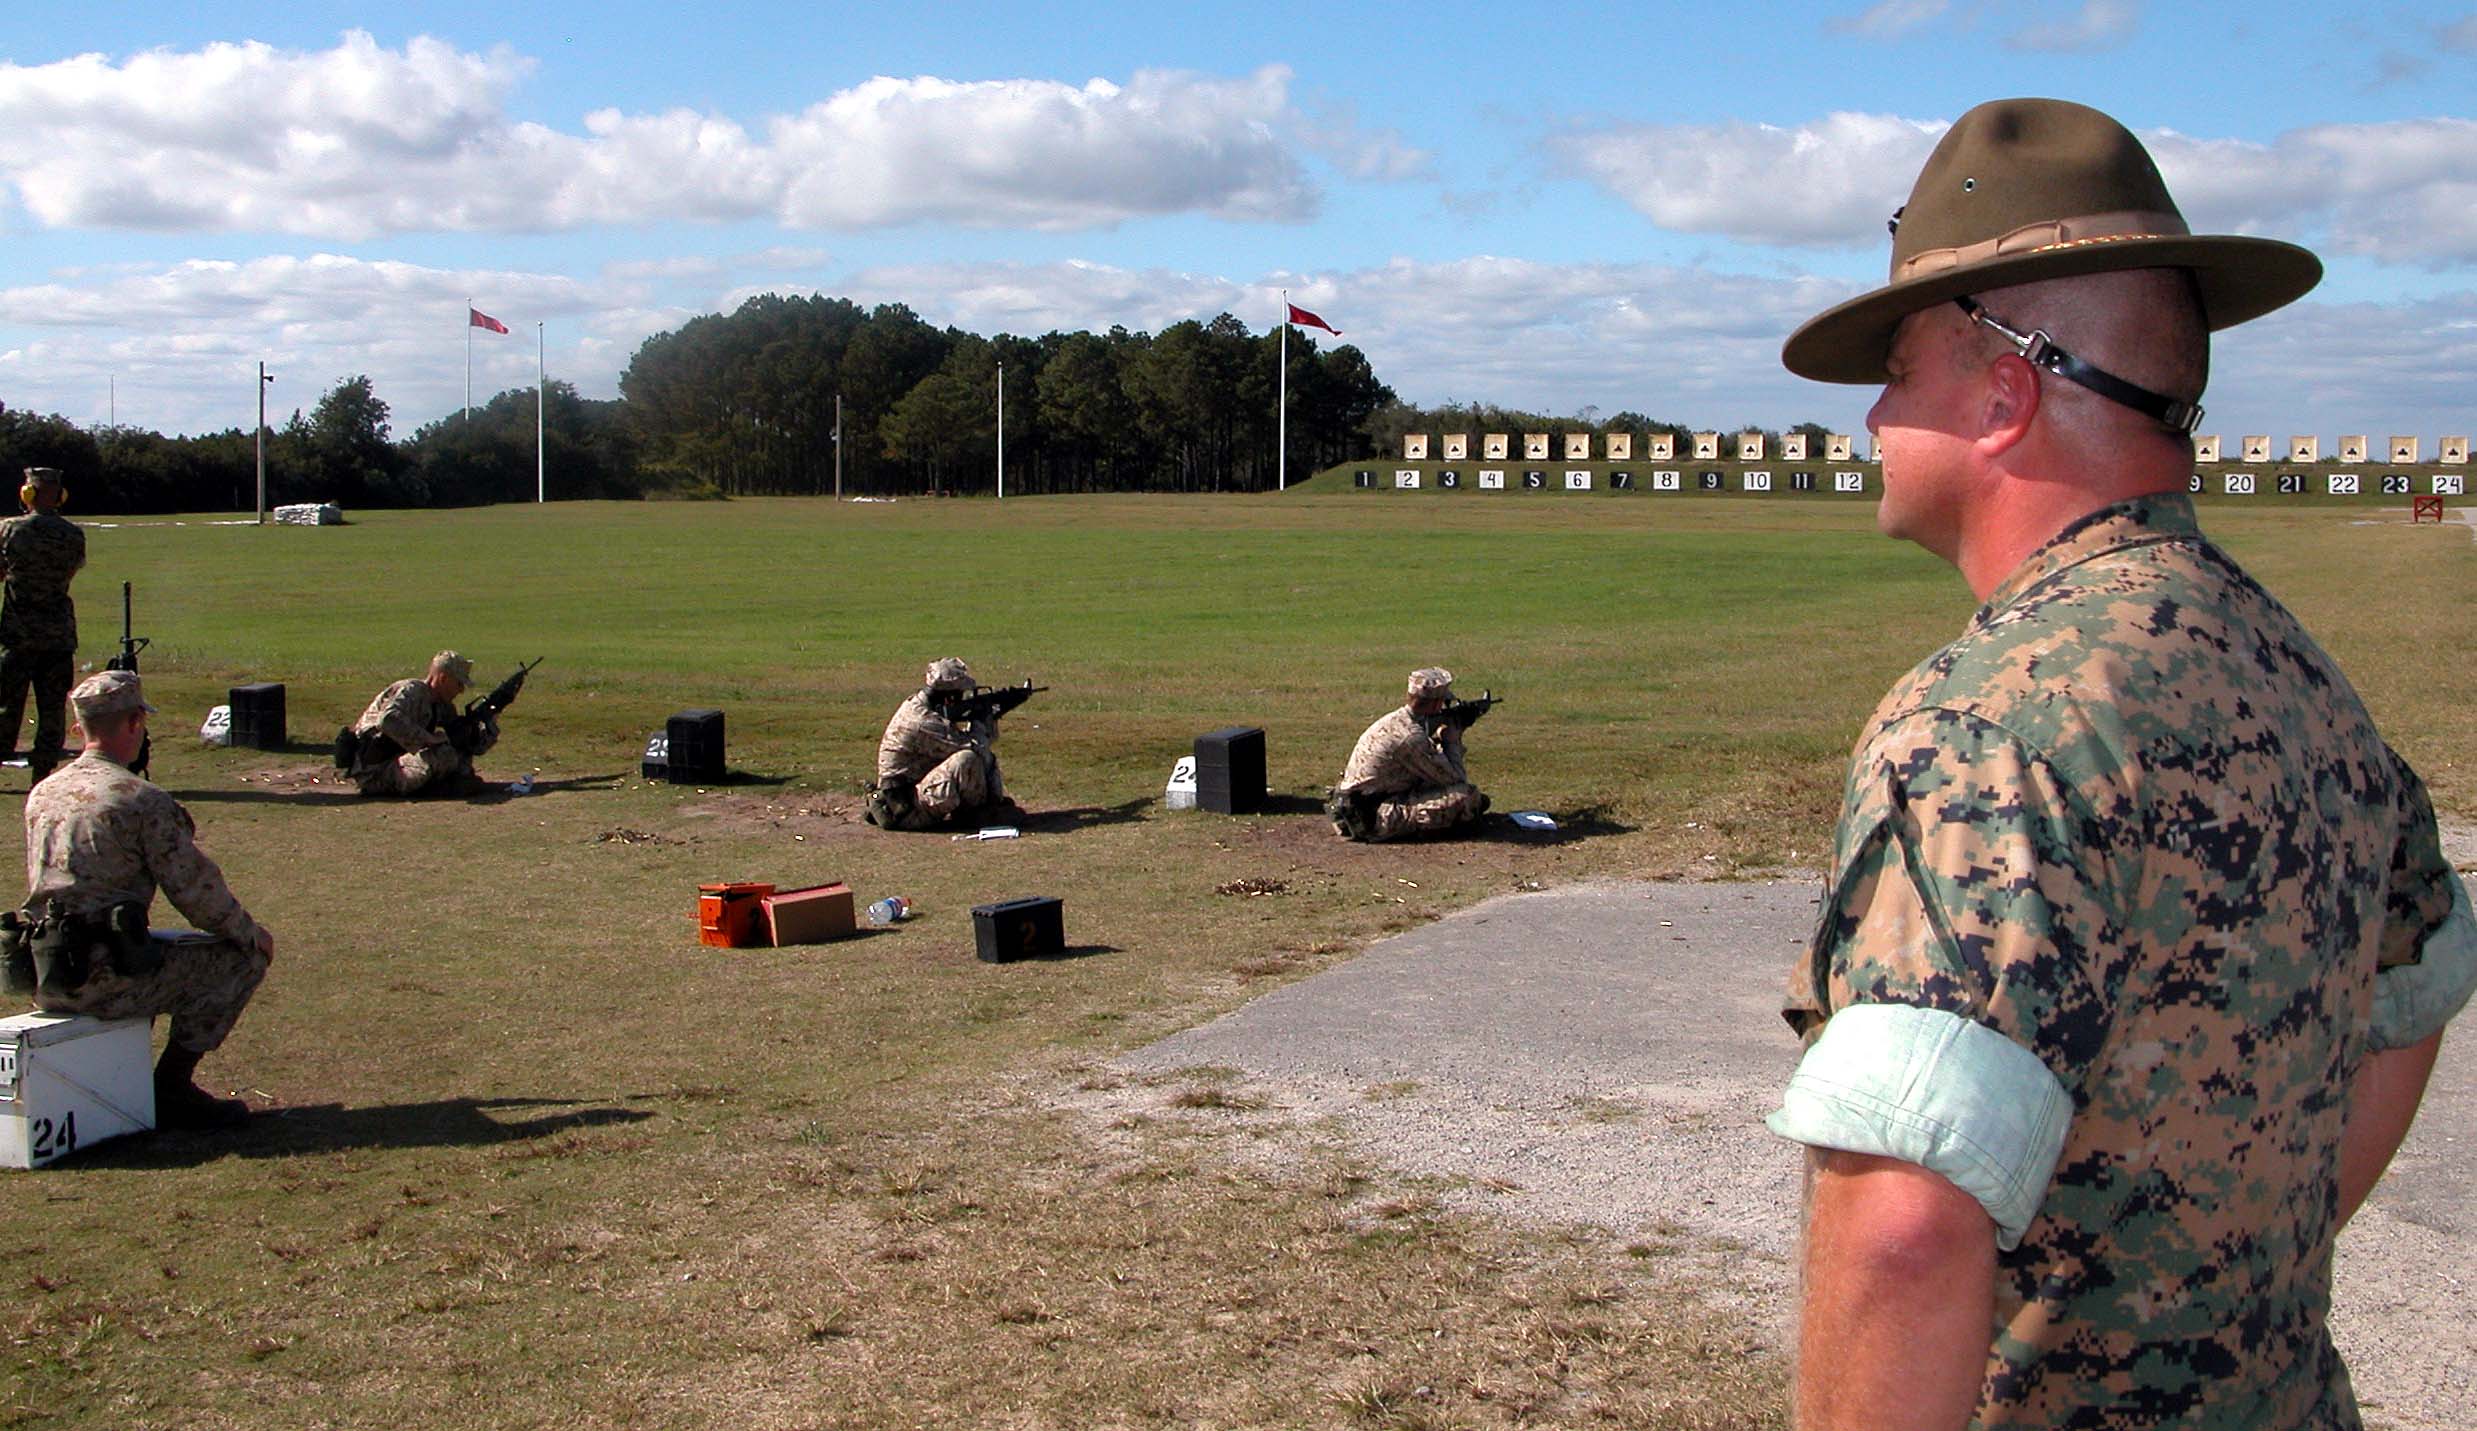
point(67, 1080)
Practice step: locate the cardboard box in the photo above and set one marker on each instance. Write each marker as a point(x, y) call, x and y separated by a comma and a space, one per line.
point(67, 1081)
point(809, 916)
point(731, 915)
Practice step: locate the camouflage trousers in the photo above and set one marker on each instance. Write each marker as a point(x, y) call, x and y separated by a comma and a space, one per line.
point(204, 984)
point(50, 673)
point(415, 769)
point(962, 781)
point(1432, 811)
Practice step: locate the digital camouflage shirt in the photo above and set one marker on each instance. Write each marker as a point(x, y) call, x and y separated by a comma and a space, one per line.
point(1397, 754)
point(918, 739)
point(97, 835)
point(40, 552)
point(2135, 822)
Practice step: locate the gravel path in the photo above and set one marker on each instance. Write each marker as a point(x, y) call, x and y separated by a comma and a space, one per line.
point(1604, 1055)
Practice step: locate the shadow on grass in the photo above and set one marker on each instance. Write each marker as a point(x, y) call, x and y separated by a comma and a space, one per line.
point(1590, 823)
point(1291, 805)
point(319, 795)
point(737, 780)
point(325, 748)
point(1072, 951)
point(499, 794)
point(1084, 817)
point(334, 1128)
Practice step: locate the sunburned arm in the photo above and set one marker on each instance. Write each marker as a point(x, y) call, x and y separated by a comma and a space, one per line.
point(2382, 1102)
point(1899, 1297)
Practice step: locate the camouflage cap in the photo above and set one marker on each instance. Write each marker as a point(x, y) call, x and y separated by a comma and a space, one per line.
point(453, 665)
point(948, 673)
point(1432, 683)
point(43, 477)
point(108, 693)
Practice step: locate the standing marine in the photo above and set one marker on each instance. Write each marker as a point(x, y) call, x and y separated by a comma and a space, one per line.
point(39, 553)
point(1406, 776)
point(2139, 941)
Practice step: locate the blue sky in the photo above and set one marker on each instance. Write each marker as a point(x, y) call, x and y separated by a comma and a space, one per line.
point(1592, 207)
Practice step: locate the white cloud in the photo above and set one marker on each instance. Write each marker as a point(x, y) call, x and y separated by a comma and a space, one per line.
point(2098, 25)
point(361, 140)
point(182, 343)
point(1832, 182)
point(1677, 343)
point(2396, 191)
point(1890, 19)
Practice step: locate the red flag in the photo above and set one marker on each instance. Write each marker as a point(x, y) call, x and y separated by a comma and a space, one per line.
point(1306, 319)
point(484, 320)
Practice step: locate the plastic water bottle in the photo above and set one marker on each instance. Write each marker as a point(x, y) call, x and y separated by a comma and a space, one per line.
point(893, 909)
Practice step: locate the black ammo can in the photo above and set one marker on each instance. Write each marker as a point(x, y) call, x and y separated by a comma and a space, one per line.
point(258, 715)
point(1229, 770)
point(1033, 927)
point(694, 742)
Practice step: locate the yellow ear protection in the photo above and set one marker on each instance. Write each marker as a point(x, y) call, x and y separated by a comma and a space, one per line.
point(25, 494)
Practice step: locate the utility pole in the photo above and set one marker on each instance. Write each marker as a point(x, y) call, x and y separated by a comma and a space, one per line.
point(264, 378)
point(1001, 432)
point(541, 391)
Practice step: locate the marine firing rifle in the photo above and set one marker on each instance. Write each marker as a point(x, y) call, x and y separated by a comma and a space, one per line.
point(1462, 715)
point(130, 645)
point(465, 731)
point(127, 660)
point(984, 704)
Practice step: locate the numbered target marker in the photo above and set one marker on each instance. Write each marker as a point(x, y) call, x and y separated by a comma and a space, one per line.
point(1707, 481)
point(2237, 484)
point(1363, 478)
point(1667, 479)
point(1492, 479)
point(1534, 479)
point(2395, 484)
point(1848, 481)
point(1577, 480)
point(1406, 477)
point(1801, 481)
point(2448, 484)
point(1621, 481)
point(2341, 484)
point(2291, 484)
point(1758, 482)
point(1449, 478)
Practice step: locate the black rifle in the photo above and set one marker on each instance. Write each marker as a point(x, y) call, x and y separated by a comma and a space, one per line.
point(127, 660)
point(1462, 715)
point(130, 645)
point(984, 704)
point(465, 731)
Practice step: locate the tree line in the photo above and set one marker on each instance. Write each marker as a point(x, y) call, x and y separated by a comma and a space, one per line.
point(763, 400)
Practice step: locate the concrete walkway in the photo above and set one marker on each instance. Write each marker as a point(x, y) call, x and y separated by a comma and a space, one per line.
point(1605, 1055)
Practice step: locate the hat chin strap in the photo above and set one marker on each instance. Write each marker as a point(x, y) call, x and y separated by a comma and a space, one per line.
point(2040, 352)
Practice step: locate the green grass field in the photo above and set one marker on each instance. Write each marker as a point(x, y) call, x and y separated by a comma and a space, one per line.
point(541, 1158)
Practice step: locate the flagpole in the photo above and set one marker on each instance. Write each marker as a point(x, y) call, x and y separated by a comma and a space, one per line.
point(1281, 424)
point(541, 394)
point(468, 360)
point(1001, 432)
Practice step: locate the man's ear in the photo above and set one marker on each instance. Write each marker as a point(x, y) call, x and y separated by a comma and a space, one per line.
point(2009, 404)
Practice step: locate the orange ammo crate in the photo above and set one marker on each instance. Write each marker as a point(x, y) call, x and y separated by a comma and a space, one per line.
point(732, 915)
